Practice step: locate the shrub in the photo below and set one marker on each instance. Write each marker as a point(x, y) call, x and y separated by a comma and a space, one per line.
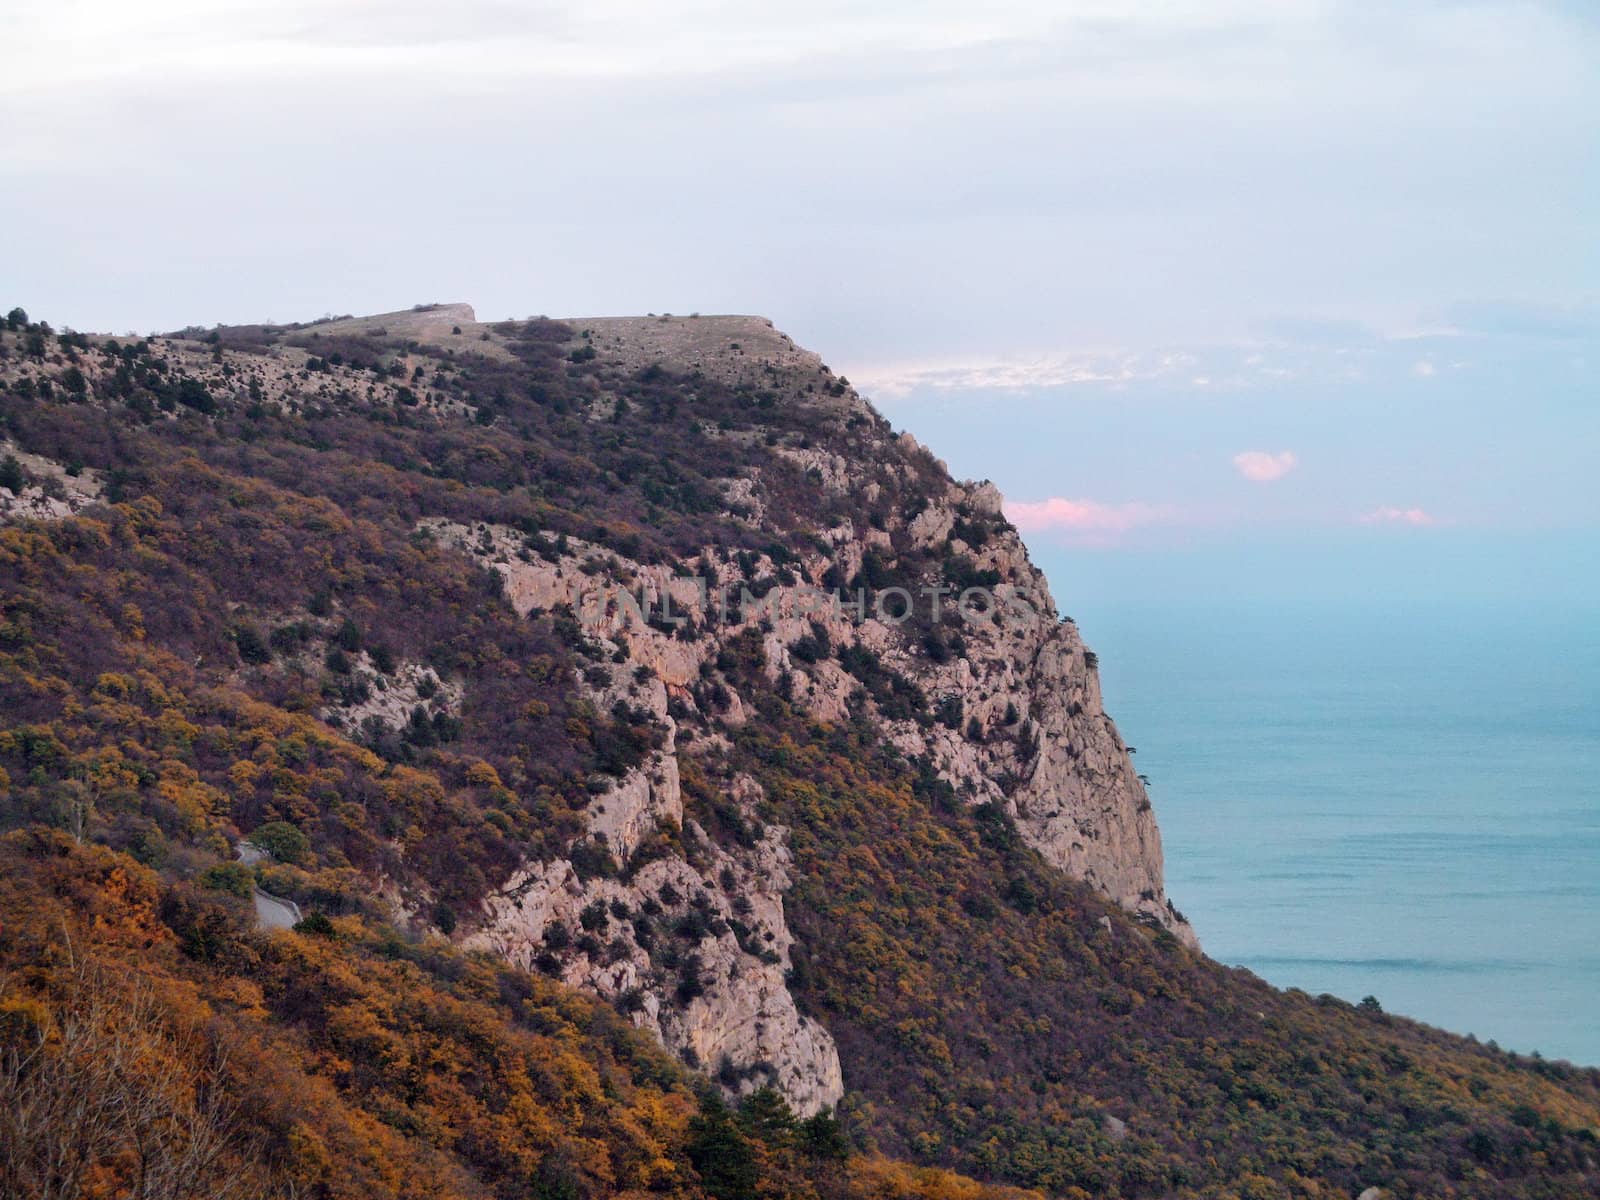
point(316, 925)
point(234, 878)
point(690, 982)
point(591, 860)
point(961, 573)
point(593, 916)
point(282, 840)
point(252, 647)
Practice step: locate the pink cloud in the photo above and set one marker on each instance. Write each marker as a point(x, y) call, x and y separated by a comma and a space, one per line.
point(1258, 466)
point(1389, 515)
point(1088, 519)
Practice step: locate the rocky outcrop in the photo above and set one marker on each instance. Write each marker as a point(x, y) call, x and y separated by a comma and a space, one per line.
point(45, 490)
point(693, 943)
point(388, 700)
point(697, 953)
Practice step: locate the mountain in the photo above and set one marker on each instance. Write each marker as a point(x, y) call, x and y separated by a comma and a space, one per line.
point(610, 704)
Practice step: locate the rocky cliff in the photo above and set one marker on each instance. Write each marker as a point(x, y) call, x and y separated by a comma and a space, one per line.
point(938, 602)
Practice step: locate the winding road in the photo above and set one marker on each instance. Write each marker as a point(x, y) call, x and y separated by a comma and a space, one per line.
point(272, 912)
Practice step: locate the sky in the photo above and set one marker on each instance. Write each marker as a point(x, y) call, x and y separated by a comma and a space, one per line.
point(1245, 299)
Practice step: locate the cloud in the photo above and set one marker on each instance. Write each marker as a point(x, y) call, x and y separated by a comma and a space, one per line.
point(611, 39)
point(1258, 466)
point(972, 207)
point(1086, 520)
point(1390, 515)
point(1225, 365)
point(1019, 374)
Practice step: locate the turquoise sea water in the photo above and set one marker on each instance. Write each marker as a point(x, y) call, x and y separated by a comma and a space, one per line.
point(1397, 803)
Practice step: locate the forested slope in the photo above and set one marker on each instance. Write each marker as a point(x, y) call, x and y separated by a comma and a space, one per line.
point(322, 587)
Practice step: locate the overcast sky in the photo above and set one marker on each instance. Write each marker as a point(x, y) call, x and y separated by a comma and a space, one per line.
point(1166, 271)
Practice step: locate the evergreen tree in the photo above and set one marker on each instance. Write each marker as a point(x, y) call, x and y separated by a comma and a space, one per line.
point(11, 475)
point(721, 1154)
point(766, 1114)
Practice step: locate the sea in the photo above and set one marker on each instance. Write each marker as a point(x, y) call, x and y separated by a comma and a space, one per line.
point(1399, 803)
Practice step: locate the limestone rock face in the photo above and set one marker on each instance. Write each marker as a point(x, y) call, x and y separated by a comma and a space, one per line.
point(725, 1007)
point(1044, 737)
point(747, 1020)
point(628, 814)
point(1032, 734)
point(1082, 804)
